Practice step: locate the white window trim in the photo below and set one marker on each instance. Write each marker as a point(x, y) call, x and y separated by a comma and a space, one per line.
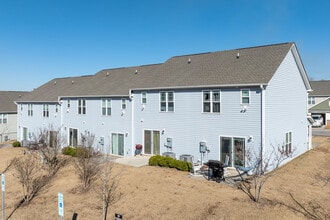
point(144, 103)
point(211, 101)
point(83, 106)
point(45, 110)
point(106, 107)
point(166, 101)
point(123, 103)
point(241, 95)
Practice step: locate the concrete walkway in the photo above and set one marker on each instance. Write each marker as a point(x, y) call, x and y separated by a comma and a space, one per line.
point(135, 161)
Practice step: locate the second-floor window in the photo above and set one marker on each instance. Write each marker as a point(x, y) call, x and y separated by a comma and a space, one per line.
point(45, 110)
point(245, 96)
point(311, 100)
point(211, 101)
point(3, 118)
point(30, 110)
point(106, 107)
point(144, 98)
point(166, 101)
point(123, 104)
point(81, 106)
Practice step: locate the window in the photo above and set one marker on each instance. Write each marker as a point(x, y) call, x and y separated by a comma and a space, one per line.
point(45, 112)
point(167, 101)
point(68, 104)
point(30, 110)
point(123, 104)
point(56, 108)
point(144, 97)
point(245, 96)
point(311, 100)
point(3, 118)
point(106, 107)
point(288, 143)
point(81, 106)
point(211, 101)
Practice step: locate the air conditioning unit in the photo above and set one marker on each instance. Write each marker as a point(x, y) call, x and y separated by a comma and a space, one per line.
point(187, 158)
point(169, 154)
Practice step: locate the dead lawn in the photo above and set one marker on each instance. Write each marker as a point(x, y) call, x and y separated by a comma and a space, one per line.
point(161, 193)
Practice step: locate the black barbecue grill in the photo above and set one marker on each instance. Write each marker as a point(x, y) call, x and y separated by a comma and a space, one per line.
point(215, 171)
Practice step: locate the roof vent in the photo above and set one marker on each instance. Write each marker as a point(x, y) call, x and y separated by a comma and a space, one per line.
point(136, 71)
point(107, 74)
point(55, 83)
point(72, 82)
point(189, 60)
point(237, 56)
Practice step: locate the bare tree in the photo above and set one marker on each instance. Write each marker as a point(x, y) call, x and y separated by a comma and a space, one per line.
point(311, 209)
point(50, 141)
point(87, 164)
point(108, 186)
point(252, 185)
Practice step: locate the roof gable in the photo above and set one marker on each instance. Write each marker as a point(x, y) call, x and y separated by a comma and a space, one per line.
point(323, 106)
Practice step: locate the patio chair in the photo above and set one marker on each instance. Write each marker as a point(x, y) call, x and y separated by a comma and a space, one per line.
point(243, 173)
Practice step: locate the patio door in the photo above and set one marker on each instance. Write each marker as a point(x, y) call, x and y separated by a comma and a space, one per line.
point(73, 137)
point(117, 144)
point(151, 142)
point(234, 147)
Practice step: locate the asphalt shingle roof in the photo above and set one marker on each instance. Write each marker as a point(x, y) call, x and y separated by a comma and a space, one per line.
point(320, 88)
point(7, 99)
point(245, 66)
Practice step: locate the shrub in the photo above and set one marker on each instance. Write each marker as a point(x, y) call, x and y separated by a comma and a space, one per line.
point(71, 151)
point(16, 144)
point(164, 161)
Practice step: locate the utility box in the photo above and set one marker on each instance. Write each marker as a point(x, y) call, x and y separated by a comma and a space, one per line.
point(202, 147)
point(169, 142)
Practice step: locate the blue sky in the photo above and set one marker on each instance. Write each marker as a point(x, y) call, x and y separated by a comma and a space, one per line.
point(45, 39)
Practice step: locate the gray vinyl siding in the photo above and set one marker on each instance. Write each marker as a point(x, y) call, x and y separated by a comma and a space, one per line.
point(188, 125)
point(35, 122)
point(286, 107)
point(101, 126)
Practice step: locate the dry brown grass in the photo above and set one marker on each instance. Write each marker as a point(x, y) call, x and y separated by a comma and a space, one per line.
point(161, 193)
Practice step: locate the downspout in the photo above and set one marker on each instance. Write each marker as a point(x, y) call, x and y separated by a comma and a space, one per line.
point(132, 123)
point(263, 124)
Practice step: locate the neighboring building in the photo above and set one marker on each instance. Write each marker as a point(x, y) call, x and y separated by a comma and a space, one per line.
point(318, 100)
point(232, 102)
point(8, 114)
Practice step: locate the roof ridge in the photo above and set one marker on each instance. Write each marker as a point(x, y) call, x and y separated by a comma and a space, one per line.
point(242, 48)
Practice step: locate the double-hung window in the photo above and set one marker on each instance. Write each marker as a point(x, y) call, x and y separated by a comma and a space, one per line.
point(82, 106)
point(106, 107)
point(123, 104)
point(288, 143)
point(166, 101)
point(245, 96)
point(311, 100)
point(30, 110)
point(45, 112)
point(3, 118)
point(211, 101)
point(144, 98)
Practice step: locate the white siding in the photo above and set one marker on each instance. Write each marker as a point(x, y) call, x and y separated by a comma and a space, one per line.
point(286, 107)
point(188, 125)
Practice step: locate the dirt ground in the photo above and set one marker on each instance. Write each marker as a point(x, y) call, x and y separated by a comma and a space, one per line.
point(163, 193)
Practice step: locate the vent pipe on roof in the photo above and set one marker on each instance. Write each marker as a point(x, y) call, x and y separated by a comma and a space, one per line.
point(189, 60)
point(72, 82)
point(107, 74)
point(237, 56)
point(136, 71)
point(55, 83)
